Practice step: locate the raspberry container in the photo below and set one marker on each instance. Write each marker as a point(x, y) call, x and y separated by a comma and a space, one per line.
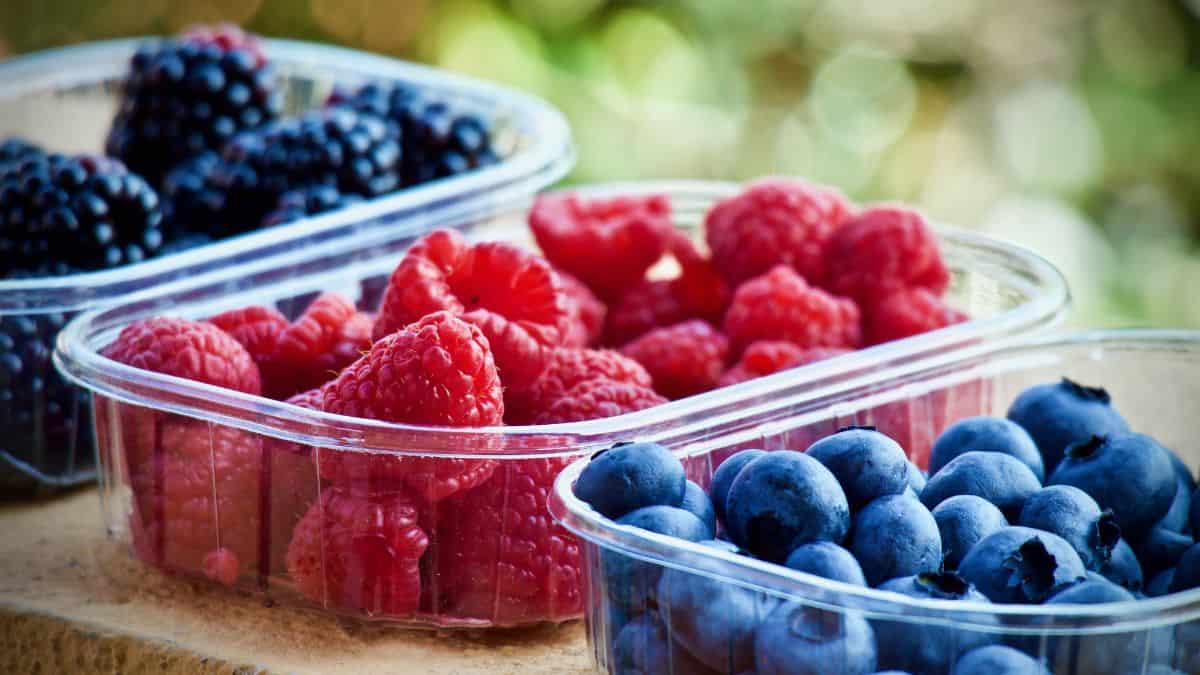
point(494, 556)
point(1154, 379)
point(64, 99)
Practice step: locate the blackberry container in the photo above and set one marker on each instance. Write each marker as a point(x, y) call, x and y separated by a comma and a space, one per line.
point(64, 99)
point(1153, 379)
point(494, 556)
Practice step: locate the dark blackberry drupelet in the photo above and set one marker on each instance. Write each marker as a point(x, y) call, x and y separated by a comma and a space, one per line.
point(192, 204)
point(13, 149)
point(187, 95)
point(308, 201)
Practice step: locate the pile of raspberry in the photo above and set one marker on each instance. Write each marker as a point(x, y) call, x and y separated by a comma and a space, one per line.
point(623, 313)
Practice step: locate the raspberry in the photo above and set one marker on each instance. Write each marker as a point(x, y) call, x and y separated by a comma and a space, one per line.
point(515, 298)
point(608, 243)
point(329, 336)
point(908, 312)
point(568, 368)
point(699, 287)
point(438, 371)
point(189, 349)
point(358, 550)
point(222, 566)
point(595, 399)
point(587, 312)
point(684, 359)
point(256, 328)
point(643, 307)
point(774, 221)
point(766, 357)
point(779, 305)
point(883, 250)
point(502, 558)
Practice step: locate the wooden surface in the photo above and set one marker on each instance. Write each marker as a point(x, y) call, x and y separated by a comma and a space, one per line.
point(71, 601)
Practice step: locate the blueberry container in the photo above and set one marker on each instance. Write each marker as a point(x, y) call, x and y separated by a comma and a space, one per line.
point(64, 99)
point(668, 605)
point(494, 557)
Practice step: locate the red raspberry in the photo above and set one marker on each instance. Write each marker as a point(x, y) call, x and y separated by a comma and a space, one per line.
point(587, 312)
point(256, 328)
point(608, 243)
point(774, 221)
point(595, 399)
point(515, 298)
point(359, 551)
point(330, 335)
point(699, 288)
point(684, 359)
point(883, 250)
point(766, 357)
point(908, 312)
point(643, 307)
point(438, 371)
point(779, 305)
point(568, 368)
point(501, 557)
point(189, 349)
point(313, 399)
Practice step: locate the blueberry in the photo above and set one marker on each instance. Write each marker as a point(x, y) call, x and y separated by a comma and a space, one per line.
point(1064, 413)
point(697, 503)
point(644, 647)
point(722, 478)
point(916, 479)
point(628, 476)
point(1093, 653)
point(784, 499)
point(1162, 548)
point(927, 647)
point(1073, 515)
point(1128, 473)
point(1000, 479)
point(800, 640)
point(630, 583)
point(1194, 512)
point(867, 463)
point(1090, 591)
point(962, 521)
point(986, 434)
point(895, 536)
point(1160, 584)
point(1021, 565)
point(1187, 572)
point(713, 619)
point(997, 660)
point(1176, 518)
point(828, 560)
point(1122, 568)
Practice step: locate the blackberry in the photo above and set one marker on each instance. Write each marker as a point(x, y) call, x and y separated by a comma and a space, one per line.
point(308, 201)
point(14, 149)
point(187, 95)
point(437, 142)
point(192, 204)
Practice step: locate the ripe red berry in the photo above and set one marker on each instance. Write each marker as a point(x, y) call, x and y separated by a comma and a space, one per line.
point(596, 399)
point(189, 349)
point(568, 368)
point(256, 328)
point(648, 305)
point(684, 359)
point(908, 312)
point(883, 250)
point(699, 288)
point(587, 312)
point(780, 305)
point(766, 357)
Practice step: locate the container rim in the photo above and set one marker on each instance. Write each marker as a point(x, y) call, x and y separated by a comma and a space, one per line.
point(87, 367)
point(545, 154)
point(580, 519)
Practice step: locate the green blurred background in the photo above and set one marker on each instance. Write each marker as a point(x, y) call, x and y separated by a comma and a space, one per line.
point(1071, 126)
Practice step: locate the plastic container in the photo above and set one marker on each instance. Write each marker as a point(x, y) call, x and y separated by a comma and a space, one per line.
point(1154, 379)
point(65, 99)
point(1008, 290)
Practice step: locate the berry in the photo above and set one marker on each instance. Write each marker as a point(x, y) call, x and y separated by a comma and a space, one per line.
point(766, 357)
point(515, 298)
point(1071, 514)
point(798, 638)
point(1122, 568)
point(438, 371)
point(359, 551)
point(697, 503)
point(1160, 585)
point(630, 476)
point(1000, 479)
point(997, 660)
point(772, 222)
point(1091, 591)
point(1194, 512)
point(883, 250)
point(1130, 474)
point(1095, 653)
point(631, 583)
point(256, 328)
point(641, 308)
point(1161, 548)
point(684, 359)
point(699, 288)
point(587, 311)
point(916, 479)
point(326, 338)
point(61, 214)
point(723, 476)
point(189, 349)
point(1063, 413)
point(866, 463)
point(596, 399)
point(221, 566)
point(928, 648)
point(963, 521)
point(607, 243)
point(895, 536)
point(905, 313)
point(187, 95)
point(782, 500)
point(15, 149)
point(308, 201)
point(193, 205)
point(1187, 572)
point(500, 555)
point(827, 559)
point(1021, 565)
point(568, 368)
point(644, 647)
point(780, 305)
point(1176, 518)
point(986, 434)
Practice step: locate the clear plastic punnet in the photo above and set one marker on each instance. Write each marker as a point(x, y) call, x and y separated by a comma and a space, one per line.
point(493, 557)
point(64, 99)
point(1153, 377)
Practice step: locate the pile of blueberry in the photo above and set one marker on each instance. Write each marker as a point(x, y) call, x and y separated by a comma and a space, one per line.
point(1060, 503)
